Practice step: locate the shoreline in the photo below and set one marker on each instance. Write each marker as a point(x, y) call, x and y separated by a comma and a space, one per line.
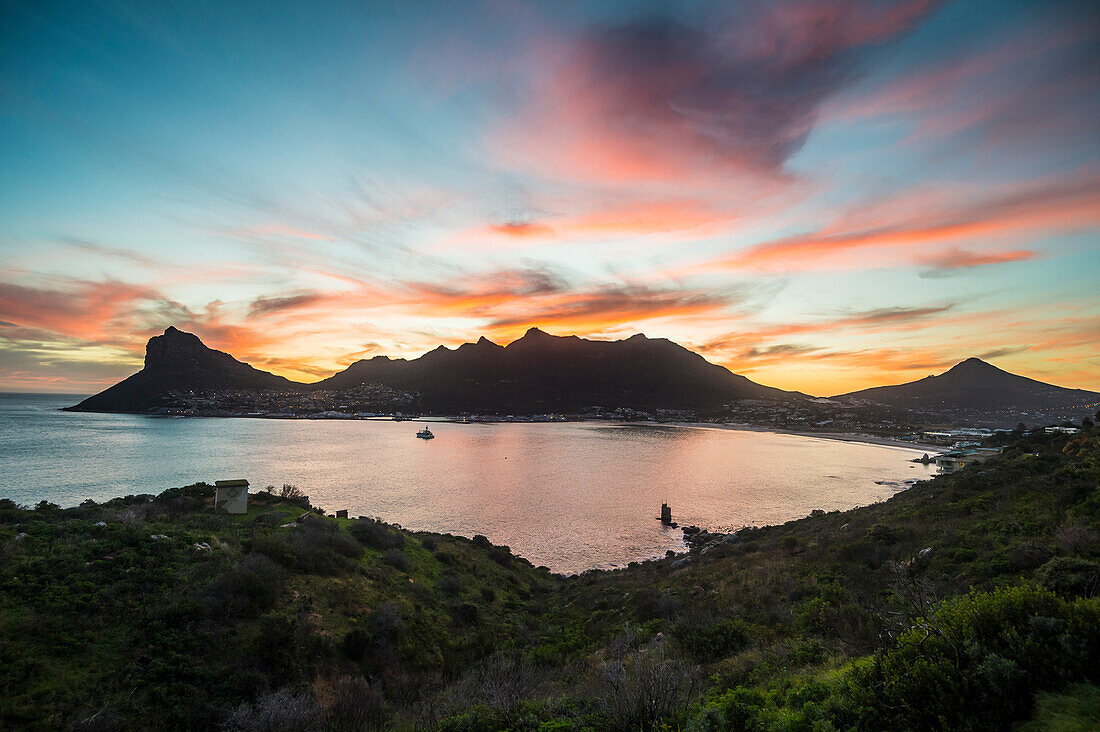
point(858, 437)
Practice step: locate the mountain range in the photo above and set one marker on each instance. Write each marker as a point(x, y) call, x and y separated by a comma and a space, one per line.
point(541, 373)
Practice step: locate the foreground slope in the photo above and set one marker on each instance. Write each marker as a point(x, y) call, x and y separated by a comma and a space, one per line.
point(954, 605)
point(178, 361)
point(976, 386)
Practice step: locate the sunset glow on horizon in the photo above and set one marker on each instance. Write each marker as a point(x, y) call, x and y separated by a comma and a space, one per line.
point(821, 195)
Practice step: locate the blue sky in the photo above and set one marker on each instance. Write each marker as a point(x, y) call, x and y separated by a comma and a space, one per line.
point(820, 194)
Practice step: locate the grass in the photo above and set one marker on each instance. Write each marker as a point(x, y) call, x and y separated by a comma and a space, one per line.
point(1077, 709)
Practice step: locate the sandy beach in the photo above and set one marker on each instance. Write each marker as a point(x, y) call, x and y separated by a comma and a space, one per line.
point(842, 436)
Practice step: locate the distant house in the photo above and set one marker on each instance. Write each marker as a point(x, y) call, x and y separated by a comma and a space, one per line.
point(956, 460)
point(231, 496)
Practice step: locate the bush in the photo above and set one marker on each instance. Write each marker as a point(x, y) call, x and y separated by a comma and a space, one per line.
point(883, 534)
point(450, 584)
point(355, 644)
point(250, 588)
point(645, 688)
point(319, 546)
point(293, 494)
point(977, 662)
point(397, 559)
point(356, 706)
point(280, 711)
point(650, 604)
point(1070, 576)
point(708, 642)
point(376, 534)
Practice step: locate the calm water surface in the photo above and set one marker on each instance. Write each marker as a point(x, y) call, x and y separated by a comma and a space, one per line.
point(571, 496)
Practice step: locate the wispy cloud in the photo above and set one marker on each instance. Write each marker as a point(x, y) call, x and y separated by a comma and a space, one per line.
point(1041, 208)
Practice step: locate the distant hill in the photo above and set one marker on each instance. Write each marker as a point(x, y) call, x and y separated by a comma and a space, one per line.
point(976, 386)
point(544, 373)
point(535, 374)
point(178, 361)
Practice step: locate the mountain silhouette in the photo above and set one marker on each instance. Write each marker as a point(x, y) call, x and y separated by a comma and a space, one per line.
point(541, 373)
point(976, 385)
point(178, 361)
point(535, 374)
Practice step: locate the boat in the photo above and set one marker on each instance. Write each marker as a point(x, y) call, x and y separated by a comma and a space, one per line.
point(425, 434)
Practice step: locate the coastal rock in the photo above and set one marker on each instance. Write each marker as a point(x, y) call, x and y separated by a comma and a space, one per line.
point(683, 562)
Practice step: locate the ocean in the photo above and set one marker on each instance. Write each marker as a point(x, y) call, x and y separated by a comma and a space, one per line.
point(571, 496)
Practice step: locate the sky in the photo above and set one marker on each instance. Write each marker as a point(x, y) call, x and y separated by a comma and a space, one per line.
point(822, 195)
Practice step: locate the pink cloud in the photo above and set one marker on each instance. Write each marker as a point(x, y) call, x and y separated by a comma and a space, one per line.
point(734, 95)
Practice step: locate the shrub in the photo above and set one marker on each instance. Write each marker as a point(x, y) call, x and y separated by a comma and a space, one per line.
point(883, 534)
point(386, 624)
point(281, 711)
point(502, 555)
point(466, 613)
point(356, 706)
point(397, 559)
point(450, 584)
point(1075, 539)
point(319, 546)
point(293, 494)
point(708, 642)
point(645, 688)
point(376, 534)
point(650, 604)
point(1070, 576)
point(977, 661)
point(248, 589)
point(355, 644)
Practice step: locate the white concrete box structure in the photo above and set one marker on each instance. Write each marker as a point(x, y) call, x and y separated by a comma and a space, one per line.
point(231, 496)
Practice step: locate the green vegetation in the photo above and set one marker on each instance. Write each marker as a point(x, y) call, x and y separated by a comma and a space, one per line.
point(971, 601)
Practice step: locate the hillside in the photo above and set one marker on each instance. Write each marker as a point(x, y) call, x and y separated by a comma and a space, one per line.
point(544, 373)
point(976, 387)
point(178, 361)
point(957, 604)
point(534, 374)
